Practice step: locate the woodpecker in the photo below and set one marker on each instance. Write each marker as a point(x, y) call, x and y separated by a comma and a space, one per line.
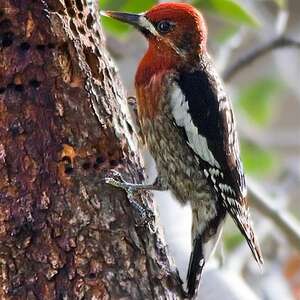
point(188, 125)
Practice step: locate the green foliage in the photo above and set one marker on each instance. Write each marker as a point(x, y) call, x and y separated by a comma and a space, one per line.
point(256, 160)
point(232, 240)
point(256, 100)
point(138, 6)
point(126, 5)
point(111, 5)
point(282, 4)
point(226, 33)
point(229, 9)
point(116, 27)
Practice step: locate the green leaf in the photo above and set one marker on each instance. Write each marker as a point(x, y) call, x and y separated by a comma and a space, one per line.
point(256, 160)
point(226, 33)
point(135, 6)
point(112, 5)
point(114, 27)
point(232, 240)
point(228, 9)
point(282, 4)
point(138, 6)
point(256, 100)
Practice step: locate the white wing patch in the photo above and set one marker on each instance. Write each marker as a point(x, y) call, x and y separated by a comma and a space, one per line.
point(198, 143)
point(180, 111)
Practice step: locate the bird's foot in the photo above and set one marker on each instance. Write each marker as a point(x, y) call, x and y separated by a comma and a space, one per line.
point(117, 180)
point(145, 214)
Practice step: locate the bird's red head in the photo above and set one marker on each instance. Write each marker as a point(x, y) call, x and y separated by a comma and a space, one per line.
point(176, 33)
point(179, 25)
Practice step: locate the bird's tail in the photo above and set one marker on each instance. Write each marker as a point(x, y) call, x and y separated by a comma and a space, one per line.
point(243, 222)
point(253, 243)
point(196, 265)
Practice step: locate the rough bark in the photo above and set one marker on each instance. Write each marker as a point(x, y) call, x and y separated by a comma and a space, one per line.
point(63, 233)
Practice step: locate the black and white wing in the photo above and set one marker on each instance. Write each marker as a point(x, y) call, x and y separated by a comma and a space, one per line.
point(201, 108)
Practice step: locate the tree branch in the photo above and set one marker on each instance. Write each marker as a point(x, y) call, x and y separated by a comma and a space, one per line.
point(254, 54)
point(281, 218)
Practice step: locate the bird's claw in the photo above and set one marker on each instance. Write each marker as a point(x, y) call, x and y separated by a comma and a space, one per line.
point(145, 214)
point(112, 181)
point(115, 179)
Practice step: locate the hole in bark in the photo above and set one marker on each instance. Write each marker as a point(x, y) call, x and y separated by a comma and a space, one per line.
point(73, 28)
point(24, 46)
point(80, 15)
point(68, 3)
point(16, 128)
point(67, 159)
point(130, 129)
point(69, 169)
point(1, 13)
point(89, 21)
point(41, 47)
point(2, 90)
point(93, 62)
point(114, 162)
point(86, 165)
point(7, 39)
point(81, 30)
point(71, 12)
point(99, 160)
point(70, 9)
point(91, 39)
point(35, 83)
point(51, 46)
point(92, 275)
point(5, 24)
point(19, 87)
point(79, 5)
point(58, 8)
point(110, 153)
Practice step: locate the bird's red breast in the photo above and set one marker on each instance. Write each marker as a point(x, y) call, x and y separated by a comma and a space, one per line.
point(149, 94)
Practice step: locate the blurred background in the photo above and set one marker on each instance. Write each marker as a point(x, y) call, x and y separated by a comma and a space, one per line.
point(266, 97)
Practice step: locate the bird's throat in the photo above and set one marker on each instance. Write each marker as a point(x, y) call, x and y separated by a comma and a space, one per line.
point(158, 59)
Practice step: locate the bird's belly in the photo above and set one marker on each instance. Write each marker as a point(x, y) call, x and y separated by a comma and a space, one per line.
point(177, 164)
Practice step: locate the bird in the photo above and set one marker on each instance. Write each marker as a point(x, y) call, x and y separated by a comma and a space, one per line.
point(188, 125)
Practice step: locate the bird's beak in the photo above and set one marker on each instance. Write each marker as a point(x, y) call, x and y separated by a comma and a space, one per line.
point(137, 20)
point(132, 19)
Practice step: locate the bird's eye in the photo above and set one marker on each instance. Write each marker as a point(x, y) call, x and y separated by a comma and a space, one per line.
point(164, 26)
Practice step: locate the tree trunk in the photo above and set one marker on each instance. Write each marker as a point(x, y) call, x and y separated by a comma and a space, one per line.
point(64, 234)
